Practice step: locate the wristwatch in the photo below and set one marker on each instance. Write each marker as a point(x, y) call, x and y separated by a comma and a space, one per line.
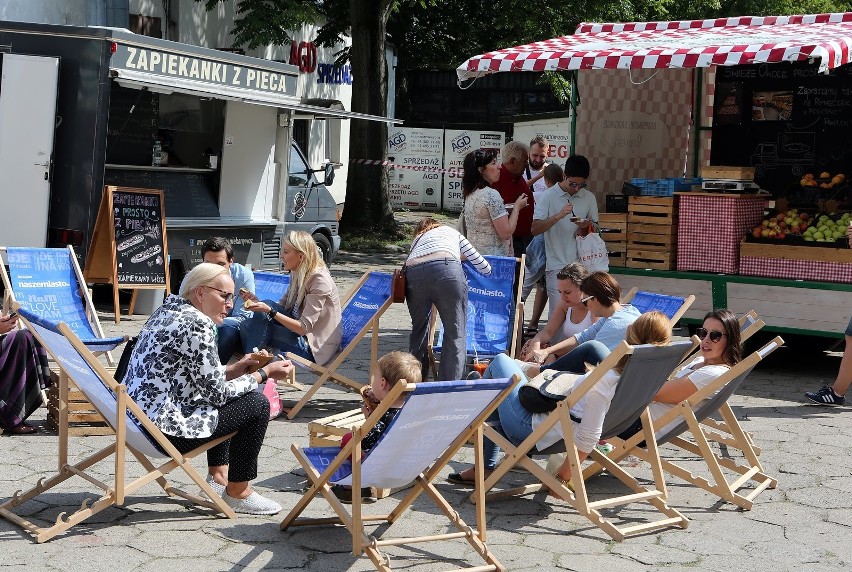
point(272, 313)
point(263, 375)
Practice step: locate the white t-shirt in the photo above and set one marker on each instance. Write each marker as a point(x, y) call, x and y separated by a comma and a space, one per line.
point(700, 378)
point(539, 186)
point(591, 409)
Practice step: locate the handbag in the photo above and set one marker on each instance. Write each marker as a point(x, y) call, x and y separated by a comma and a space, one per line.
point(124, 360)
point(398, 279)
point(592, 253)
point(544, 391)
point(270, 391)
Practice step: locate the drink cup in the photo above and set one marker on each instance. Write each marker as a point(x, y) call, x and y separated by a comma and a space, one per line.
point(481, 365)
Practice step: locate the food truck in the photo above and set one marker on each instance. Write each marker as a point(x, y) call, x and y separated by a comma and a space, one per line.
point(765, 106)
point(85, 107)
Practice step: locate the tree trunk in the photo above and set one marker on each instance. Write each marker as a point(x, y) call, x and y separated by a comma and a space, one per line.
point(367, 204)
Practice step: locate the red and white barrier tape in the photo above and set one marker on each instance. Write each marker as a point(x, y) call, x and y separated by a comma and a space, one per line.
point(452, 171)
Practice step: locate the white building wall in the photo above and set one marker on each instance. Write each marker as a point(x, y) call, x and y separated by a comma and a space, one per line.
point(62, 12)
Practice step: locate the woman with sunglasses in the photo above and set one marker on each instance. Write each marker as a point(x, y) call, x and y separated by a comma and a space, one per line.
point(601, 295)
point(307, 319)
point(176, 377)
point(486, 223)
point(721, 349)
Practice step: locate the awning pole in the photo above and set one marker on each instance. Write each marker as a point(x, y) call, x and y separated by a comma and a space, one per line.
point(573, 111)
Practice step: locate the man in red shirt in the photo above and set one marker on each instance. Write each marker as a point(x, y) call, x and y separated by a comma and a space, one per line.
point(511, 185)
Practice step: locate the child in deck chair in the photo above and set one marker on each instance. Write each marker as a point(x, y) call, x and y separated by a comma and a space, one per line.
point(390, 370)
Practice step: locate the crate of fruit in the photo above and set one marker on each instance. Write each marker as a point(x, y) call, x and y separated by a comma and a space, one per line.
point(828, 264)
point(664, 187)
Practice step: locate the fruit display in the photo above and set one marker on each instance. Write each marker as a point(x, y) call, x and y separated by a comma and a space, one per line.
point(825, 180)
point(797, 227)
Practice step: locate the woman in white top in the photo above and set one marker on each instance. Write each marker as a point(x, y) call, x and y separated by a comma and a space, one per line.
point(517, 423)
point(434, 276)
point(487, 224)
point(721, 348)
point(570, 314)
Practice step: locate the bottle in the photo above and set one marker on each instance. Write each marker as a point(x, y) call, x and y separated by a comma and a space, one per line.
point(156, 154)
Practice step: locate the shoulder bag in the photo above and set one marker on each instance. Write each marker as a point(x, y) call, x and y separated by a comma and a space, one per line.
point(398, 280)
point(544, 391)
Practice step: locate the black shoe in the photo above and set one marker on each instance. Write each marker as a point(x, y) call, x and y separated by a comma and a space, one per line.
point(825, 396)
point(344, 494)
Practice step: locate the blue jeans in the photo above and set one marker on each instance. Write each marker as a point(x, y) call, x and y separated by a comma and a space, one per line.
point(228, 337)
point(592, 352)
point(512, 420)
point(259, 331)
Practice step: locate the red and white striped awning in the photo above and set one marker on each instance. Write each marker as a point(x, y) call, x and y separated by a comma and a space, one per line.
point(683, 44)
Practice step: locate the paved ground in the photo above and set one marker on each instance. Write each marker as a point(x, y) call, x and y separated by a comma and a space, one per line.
point(803, 524)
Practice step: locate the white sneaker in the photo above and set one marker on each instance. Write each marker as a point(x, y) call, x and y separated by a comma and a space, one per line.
point(252, 504)
point(220, 489)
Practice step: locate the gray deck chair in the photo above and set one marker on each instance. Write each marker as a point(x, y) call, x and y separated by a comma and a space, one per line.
point(692, 412)
point(647, 369)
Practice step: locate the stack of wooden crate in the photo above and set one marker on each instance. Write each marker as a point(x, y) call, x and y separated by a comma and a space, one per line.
point(83, 418)
point(614, 232)
point(652, 233)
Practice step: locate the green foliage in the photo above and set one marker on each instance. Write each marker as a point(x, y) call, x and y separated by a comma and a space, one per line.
point(268, 22)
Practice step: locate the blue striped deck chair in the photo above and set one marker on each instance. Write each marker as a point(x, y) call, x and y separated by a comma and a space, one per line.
point(684, 427)
point(270, 285)
point(48, 282)
point(494, 311)
point(362, 309)
point(674, 307)
point(133, 433)
point(438, 418)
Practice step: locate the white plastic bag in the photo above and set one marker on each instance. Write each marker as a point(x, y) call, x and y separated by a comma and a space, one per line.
point(591, 252)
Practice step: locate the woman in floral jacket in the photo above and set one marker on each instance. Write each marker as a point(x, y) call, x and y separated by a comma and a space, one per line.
point(176, 377)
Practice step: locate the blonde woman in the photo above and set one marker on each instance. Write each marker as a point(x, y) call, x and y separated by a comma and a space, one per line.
point(176, 377)
point(306, 321)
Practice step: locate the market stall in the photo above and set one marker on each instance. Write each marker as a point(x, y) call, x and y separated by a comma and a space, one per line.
point(781, 115)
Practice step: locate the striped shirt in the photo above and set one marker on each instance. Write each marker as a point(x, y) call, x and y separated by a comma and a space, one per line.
point(452, 242)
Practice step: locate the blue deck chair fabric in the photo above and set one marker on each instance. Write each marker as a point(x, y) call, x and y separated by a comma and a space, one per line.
point(270, 285)
point(44, 282)
point(360, 314)
point(490, 308)
point(648, 301)
point(85, 378)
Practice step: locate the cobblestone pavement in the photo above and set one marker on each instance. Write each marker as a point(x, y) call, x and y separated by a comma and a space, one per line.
point(804, 524)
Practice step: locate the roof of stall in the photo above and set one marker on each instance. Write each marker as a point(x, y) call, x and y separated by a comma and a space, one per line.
point(682, 44)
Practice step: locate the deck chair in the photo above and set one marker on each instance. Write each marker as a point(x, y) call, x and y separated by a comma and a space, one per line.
point(494, 311)
point(691, 413)
point(646, 371)
point(674, 307)
point(49, 283)
point(362, 309)
point(134, 432)
point(270, 285)
point(437, 420)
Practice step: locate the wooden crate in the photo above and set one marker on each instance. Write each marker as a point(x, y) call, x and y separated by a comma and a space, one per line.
point(652, 233)
point(614, 233)
point(789, 252)
point(83, 419)
point(732, 173)
point(328, 431)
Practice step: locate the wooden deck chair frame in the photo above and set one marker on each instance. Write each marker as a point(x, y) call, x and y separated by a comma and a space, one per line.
point(746, 470)
point(329, 372)
point(577, 496)
point(116, 492)
point(355, 521)
point(516, 332)
point(687, 302)
point(91, 313)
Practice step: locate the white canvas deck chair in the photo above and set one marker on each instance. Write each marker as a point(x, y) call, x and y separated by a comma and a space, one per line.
point(48, 282)
point(495, 313)
point(674, 307)
point(646, 371)
point(690, 435)
point(437, 420)
point(134, 433)
point(362, 308)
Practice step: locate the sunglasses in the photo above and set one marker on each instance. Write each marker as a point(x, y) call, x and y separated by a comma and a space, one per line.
point(229, 297)
point(574, 185)
point(715, 335)
point(585, 301)
point(484, 156)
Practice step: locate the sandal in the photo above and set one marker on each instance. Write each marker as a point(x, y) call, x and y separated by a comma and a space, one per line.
point(23, 429)
point(458, 479)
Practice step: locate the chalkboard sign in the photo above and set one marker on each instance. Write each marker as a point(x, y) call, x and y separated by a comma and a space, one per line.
point(128, 247)
point(132, 124)
point(792, 120)
point(187, 194)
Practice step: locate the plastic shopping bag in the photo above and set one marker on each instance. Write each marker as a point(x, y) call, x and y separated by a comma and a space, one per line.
point(591, 252)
